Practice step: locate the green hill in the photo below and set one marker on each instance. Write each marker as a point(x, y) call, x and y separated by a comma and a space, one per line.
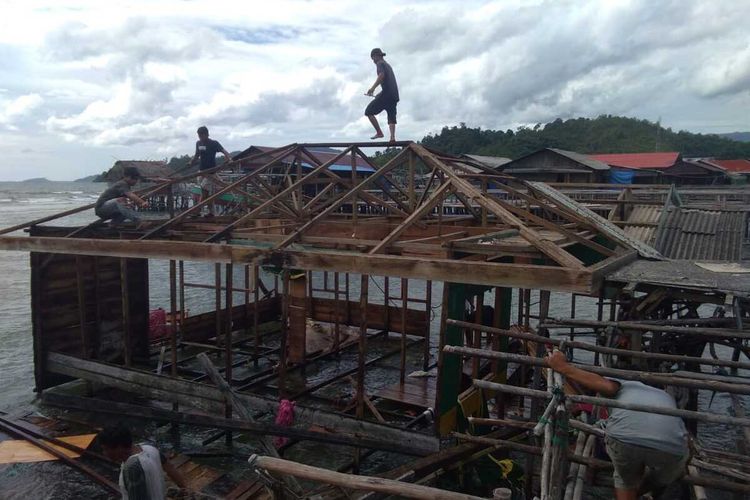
point(604, 134)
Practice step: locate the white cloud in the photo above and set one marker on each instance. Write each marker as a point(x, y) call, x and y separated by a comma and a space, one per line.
point(140, 76)
point(14, 109)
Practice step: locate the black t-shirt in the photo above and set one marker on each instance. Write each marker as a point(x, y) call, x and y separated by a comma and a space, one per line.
point(207, 152)
point(116, 190)
point(389, 85)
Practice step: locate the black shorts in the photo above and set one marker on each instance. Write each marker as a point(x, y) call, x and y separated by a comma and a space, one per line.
point(380, 104)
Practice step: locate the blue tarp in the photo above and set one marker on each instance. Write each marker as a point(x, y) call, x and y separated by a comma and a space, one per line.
point(618, 176)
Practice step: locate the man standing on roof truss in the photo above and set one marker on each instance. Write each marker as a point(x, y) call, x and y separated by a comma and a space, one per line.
point(205, 151)
point(386, 99)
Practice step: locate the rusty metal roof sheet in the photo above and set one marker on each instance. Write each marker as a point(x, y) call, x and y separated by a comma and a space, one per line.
point(696, 234)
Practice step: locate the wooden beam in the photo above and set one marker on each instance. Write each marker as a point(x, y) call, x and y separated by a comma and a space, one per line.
point(418, 213)
point(478, 273)
point(206, 397)
point(164, 250)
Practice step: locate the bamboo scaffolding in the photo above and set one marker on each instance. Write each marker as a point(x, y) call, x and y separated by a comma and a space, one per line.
point(601, 349)
point(612, 403)
point(714, 383)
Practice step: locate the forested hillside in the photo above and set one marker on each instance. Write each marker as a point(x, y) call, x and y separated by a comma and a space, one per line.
point(605, 134)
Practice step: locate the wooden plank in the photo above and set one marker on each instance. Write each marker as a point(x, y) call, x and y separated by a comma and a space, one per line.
point(199, 395)
point(164, 250)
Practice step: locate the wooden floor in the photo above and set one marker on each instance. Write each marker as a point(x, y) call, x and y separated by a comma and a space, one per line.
point(419, 392)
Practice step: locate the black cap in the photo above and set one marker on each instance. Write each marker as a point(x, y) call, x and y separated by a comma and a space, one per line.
point(131, 172)
point(377, 52)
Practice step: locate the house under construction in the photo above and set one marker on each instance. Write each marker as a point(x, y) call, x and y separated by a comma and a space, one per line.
point(435, 284)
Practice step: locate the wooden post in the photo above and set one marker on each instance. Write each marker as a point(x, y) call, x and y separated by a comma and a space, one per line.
point(386, 303)
point(428, 321)
point(125, 310)
point(81, 285)
point(336, 312)
point(355, 205)
point(346, 296)
point(217, 290)
point(404, 308)
point(229, 270)
point(484, 209)
point(363, 298)
point(477, 334)
point(173, 313)
point(183, 312)
point(412, 194)
point(98, 305)
point(170, 201)
point(284, 334)
point(256, 298)
point(246, 297)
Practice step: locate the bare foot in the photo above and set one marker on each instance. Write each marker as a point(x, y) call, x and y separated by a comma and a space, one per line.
point(393, 139)
point(377, 136)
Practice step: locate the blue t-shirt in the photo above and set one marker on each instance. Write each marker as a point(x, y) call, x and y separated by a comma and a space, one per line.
point(650, 430)
point(207, 151)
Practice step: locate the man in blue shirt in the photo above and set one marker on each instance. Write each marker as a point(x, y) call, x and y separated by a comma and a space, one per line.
point(388, 97)
point(205, 151)
point(649, 451)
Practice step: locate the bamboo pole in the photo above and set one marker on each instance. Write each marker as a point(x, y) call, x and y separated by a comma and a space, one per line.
point(404, 307)
point(645, 377)
point(613, 403)
point(355, 482)
point(428, 322)
point(605, 350)
point(634, 325)
point(16, 431)
point(242, 410)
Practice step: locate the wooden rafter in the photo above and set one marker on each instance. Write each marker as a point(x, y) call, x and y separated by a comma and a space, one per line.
point(284, 192)
point(214, 196)
point(549, 249)
point(356, 190)
point(435, 198)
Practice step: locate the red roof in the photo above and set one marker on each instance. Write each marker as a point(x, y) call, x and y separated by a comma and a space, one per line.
point(742, 166)
point(639, 160)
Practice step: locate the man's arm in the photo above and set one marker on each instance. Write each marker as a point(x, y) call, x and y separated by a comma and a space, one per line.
point(136, 199)
point(378, 81)
point(227, 154)
point(195, 156)
point(591, 381)
point(174, 474)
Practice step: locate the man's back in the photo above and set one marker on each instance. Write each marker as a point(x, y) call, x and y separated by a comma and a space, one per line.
point(207, 151)
point(142, 476)
point(650, 430)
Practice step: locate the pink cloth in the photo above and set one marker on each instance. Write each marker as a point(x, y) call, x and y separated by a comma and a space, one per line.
point(285, 418)
point(157, 324)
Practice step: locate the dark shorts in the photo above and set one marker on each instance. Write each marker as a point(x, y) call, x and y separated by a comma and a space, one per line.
point(380, 104)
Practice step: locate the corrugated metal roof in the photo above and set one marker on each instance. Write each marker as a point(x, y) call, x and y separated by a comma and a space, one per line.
point(641, 222)
point(696, 234)
point(737, 166)
point(639, 160)
point(490, 161)
point(590, 162)
point(607, 228)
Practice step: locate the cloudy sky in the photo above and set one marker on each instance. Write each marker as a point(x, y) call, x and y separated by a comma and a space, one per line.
point(84, 83)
